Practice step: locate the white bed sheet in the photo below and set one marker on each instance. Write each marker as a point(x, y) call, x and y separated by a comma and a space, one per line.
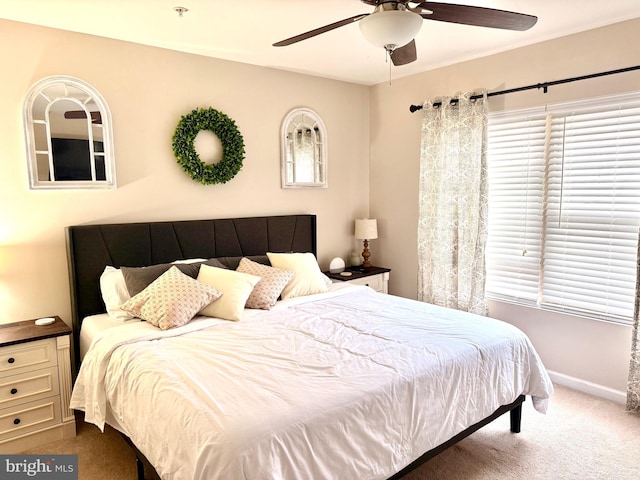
point(345, 385)
point(93, 326)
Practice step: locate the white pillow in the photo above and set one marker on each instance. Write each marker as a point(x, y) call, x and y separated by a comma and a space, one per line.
point(235, 287)
point(189, 260)
point(114, 293)
point(308, 278)
point(171, 300)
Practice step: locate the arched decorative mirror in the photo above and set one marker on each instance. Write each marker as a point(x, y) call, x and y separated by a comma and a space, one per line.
point(68, 135)
point(304, 150)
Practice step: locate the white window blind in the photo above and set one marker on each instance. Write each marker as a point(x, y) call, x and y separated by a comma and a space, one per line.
point(516, 170)
point(564, 206)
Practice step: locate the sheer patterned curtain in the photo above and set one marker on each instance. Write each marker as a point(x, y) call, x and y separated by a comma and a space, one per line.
point(452, 226)
point(633, 386)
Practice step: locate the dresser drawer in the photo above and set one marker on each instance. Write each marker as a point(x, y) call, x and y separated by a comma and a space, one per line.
point(29, 417)
point(373, 281)
point(28, 356)
point(28, 386)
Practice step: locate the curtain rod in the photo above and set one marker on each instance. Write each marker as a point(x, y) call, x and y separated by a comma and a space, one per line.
point(544, 86)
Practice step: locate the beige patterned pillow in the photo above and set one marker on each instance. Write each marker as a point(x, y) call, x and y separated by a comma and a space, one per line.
point(171, 300)
point(272, 281)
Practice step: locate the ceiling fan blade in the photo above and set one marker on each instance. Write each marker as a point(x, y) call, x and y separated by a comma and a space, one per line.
point(405, 54)
point(318, 31)
point(478, 16)
point(75, 114)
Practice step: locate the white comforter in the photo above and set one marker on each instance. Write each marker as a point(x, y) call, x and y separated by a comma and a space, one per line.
point(348, 385)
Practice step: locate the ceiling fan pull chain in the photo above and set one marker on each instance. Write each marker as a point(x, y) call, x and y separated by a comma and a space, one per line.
point(387, 58)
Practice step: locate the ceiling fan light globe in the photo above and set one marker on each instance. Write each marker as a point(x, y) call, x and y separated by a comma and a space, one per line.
point(390, 27)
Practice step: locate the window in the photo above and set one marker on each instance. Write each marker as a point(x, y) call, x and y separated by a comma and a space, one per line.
point(564, 206)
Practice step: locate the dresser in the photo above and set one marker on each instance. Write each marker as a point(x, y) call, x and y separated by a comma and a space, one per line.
point(35, 385)
point(374, 277)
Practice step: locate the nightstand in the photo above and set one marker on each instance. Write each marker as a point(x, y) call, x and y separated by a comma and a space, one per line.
point(35, 385)
point(374, 277)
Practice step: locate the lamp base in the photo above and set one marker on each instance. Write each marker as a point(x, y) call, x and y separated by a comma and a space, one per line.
point(365, 255)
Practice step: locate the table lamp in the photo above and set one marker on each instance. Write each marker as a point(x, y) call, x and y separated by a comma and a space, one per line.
point(366, 229)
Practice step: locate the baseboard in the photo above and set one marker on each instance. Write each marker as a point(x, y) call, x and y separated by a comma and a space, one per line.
point(588, 387)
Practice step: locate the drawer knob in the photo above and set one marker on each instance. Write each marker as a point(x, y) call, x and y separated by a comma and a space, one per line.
point(11, 360)
point(16, 421)
point(14, 391)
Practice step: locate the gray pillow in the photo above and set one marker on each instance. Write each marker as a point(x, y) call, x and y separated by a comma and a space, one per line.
point(232, 263)
point(139, 278)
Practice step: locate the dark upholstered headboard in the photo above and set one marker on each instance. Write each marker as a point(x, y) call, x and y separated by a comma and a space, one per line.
point(92, 247)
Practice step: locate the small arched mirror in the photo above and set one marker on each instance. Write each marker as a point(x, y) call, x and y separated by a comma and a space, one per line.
point(68, 135)
point(304, 150)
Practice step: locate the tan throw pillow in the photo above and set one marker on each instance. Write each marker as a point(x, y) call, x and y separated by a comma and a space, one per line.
point(272, 281)
point(171, 300)
point(235, 287)
point(308, 278)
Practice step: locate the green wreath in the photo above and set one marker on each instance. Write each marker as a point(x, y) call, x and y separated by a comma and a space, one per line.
point(232, 146)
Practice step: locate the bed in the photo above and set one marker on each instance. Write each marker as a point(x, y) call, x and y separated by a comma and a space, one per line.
point(329, 381)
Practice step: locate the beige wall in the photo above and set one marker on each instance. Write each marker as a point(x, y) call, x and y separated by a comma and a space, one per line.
point(588, 350)
point(148, 90)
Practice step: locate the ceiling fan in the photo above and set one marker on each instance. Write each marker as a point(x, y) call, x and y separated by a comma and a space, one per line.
point(393, 24)
point(96, 118)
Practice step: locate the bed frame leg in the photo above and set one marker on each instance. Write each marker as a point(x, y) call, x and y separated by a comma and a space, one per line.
point(516, 418)
point(140, 468)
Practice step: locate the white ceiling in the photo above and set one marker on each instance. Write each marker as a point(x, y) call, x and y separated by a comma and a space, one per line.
point(244, 30)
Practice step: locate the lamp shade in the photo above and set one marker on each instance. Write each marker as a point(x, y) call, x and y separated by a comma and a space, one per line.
point(366, 228)
point(390, 28)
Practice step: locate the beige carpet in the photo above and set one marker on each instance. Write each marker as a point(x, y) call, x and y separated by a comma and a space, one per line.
point(582, 437)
